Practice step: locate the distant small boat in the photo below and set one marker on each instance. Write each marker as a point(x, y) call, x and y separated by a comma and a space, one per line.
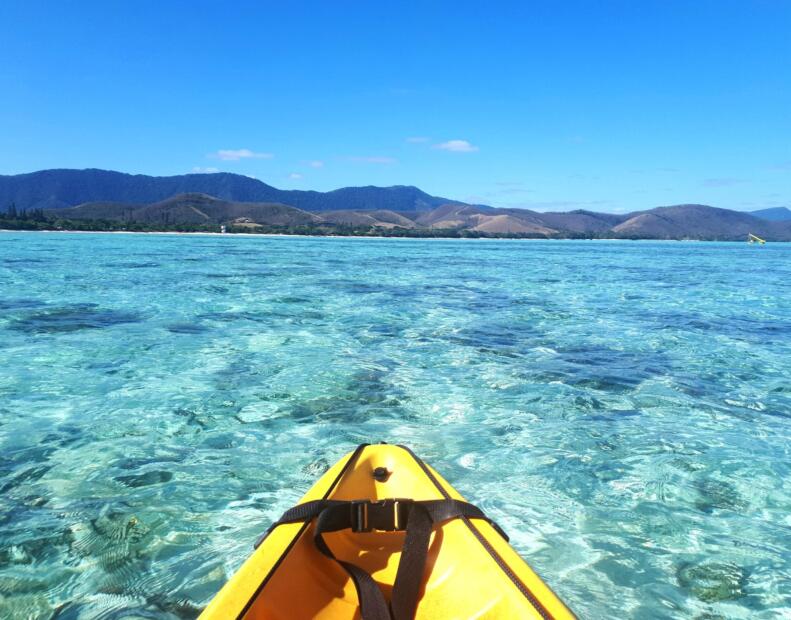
point(751, 238)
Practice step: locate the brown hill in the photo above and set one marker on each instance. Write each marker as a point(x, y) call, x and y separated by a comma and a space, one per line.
point(581, 221)
point(486, 220)
point(191, 209)
point(689, 221)
point(381, 218)
point(504, 223)
point(450, 216)
point(699, 222)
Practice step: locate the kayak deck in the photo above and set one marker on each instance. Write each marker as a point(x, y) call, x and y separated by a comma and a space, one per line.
point(471, 570)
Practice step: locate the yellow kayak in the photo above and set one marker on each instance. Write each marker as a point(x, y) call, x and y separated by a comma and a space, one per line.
point(382, 536)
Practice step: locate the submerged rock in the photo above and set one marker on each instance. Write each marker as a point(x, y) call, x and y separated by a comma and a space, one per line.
point(35, 547)
point(224, 441)
point(72, 318)
point(713, 581)
point(186, 328)
point(17, 304)
point(113, 540)
point(11, 583)
point(26, 606)
point(718, 494)
point(31, 474)
point(156, 476)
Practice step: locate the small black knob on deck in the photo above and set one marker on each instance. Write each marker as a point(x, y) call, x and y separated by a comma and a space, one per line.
point(381, 474)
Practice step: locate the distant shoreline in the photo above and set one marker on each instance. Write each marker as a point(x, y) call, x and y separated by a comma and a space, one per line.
point(245, 235)
point(300, 236)
point(105, 200)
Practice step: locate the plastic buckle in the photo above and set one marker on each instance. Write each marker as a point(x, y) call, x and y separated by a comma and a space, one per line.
point(386, 515)
point(359, 515)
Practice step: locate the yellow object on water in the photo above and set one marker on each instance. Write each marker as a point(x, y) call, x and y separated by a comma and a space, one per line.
point(751, 238)
point(471, 571)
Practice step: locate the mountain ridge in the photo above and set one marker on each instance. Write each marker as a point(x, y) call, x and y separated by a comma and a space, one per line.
point(66, 187)
point(773, 214)
point(190, 208)
point(225, 198)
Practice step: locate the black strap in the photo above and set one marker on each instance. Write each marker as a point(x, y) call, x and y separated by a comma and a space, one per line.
point(372, 602)
point(416, 517)
point(409, 576)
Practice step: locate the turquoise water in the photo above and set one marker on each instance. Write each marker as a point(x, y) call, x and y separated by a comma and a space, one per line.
point(622, 409)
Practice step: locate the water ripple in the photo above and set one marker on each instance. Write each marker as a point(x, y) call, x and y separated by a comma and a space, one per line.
point(621, 409)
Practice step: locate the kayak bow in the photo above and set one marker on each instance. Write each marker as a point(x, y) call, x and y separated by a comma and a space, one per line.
point(382, 536)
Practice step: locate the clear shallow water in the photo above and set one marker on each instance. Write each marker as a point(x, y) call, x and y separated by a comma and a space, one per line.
point(622, 409)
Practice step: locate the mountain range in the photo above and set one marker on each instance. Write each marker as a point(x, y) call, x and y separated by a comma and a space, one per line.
point(53, 189)
point(224, 198)
point(773, 214)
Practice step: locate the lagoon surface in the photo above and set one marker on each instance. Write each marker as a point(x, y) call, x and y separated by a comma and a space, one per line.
point(622, 409)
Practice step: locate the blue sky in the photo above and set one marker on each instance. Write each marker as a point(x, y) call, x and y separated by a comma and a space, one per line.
point(610, 106)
